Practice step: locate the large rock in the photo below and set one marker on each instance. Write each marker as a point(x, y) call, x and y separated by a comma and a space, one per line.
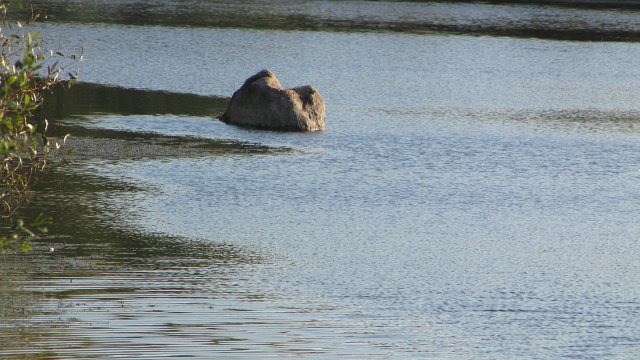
point(262, 103)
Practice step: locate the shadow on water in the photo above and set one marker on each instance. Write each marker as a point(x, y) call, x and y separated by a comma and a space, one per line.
point(70, 110)
point(553, 19)
point(85, 98)
point(95, 280)
point(98, 270)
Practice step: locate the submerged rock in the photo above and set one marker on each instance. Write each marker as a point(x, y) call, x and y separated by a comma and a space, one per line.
point(261, 102)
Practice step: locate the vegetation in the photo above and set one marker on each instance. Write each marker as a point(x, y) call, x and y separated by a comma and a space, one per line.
point(27, 71)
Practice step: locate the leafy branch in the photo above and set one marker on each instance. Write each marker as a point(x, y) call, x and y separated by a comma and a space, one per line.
point(27, 71)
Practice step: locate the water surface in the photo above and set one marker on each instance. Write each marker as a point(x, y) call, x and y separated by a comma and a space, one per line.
point(599, 20)
point(472, 197)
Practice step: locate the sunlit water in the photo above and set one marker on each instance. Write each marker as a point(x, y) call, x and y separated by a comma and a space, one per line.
point(472, 197)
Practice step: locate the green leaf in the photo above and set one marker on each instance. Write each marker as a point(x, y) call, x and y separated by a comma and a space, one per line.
point(29, 60)
point(25, 247)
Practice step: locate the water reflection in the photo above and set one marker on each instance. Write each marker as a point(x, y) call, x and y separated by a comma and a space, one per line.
point(600, 21)
point(109, 291)
point(107, 277)
point(84, 98)
point(100, 276)
point(83, 110)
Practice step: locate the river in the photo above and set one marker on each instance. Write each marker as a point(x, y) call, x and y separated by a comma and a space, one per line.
point(474, 196)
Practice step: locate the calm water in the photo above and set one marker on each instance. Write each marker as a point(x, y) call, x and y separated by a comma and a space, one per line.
point(473, 197)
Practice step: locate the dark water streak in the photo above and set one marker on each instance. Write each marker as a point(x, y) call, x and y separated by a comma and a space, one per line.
point(85, 98)
point(555, 20)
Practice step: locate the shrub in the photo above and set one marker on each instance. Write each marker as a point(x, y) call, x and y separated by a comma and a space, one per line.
point(27, 71)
